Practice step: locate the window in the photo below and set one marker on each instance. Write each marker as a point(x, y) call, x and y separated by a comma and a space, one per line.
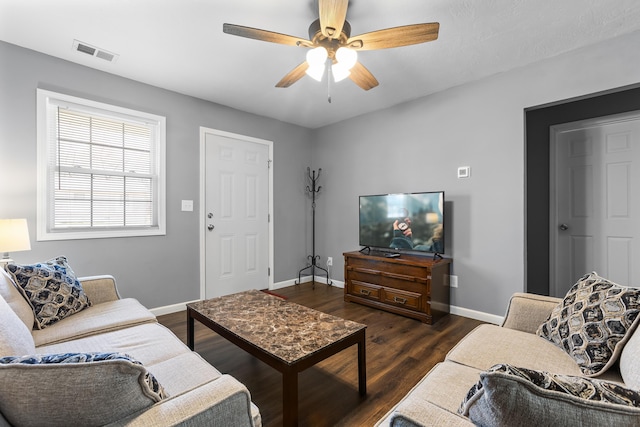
point(100, 170)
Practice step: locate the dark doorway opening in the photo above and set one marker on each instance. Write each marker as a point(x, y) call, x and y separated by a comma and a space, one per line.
point(537, 183)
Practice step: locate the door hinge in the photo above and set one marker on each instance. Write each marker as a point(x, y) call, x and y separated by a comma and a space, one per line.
point(269, 163)
point(268, 271)
point(269, 217)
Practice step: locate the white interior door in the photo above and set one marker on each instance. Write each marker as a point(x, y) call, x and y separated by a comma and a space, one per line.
point(236, 214)
point(595, 215)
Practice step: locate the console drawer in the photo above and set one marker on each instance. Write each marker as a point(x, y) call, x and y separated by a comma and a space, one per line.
point(397, 297)
point(365, 290)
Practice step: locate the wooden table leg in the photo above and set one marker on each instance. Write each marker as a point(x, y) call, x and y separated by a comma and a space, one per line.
point(190, 326)
point(362, 366)
point(289, 398)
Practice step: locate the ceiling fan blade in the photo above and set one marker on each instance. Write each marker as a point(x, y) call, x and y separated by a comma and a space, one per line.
point(293, 75)
point(264, 35)
point(363, 77)
point(395, 37)
point(333, 13)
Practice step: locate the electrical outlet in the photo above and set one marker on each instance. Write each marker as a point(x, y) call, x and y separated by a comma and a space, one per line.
point(453, 281)
point(330, 261)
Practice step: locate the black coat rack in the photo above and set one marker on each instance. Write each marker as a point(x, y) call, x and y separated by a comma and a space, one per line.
point(313, 258)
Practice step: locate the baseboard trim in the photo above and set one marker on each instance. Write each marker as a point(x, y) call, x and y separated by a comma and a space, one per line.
point(168, 309)
point(477, 315)
point(307, 279)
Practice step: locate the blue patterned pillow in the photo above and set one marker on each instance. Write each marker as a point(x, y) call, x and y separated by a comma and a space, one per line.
point(51, 288)
point(75, 388)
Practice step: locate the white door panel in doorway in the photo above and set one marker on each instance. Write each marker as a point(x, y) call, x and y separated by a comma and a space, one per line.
point(236, 212)
point(595, 209)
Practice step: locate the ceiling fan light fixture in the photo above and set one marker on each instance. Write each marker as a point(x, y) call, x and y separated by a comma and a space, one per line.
point(316, 72)
point(346, 57)
point(330, 39)
point(316, 58)
point(339, 71)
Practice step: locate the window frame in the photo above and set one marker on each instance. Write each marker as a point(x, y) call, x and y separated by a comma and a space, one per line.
point(46, 100)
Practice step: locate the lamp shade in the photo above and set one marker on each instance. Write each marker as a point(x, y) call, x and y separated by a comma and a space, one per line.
point(14, 235)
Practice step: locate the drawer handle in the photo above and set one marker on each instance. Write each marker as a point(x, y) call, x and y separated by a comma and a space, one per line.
point(400, 300)
point(365, 292)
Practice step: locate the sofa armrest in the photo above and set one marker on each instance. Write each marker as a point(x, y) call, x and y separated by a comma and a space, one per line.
point(528, 311)
point(100, 289)
point(221, 402)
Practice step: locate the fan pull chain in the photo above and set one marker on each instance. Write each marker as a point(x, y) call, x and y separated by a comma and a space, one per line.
point(329, 81)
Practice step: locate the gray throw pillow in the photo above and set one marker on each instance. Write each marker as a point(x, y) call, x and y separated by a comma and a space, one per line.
point(74, 388)
point(51, 288)
point(511, 396)
point(593, 322)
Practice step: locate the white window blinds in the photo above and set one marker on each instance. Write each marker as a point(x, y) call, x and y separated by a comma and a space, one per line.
point(104, 170)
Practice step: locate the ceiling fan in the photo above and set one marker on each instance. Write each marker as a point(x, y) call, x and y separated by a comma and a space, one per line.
point(332, 46)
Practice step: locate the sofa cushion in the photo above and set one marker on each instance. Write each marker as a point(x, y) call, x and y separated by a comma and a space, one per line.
point(176, 379)
point(78, 388)
point(14, 298)
point(416, 407)
point(52, 289)
point(15, 338)
point(96, 319)
point(593, 322)
point(150, 343)
point(488, 345)
point(510, 396)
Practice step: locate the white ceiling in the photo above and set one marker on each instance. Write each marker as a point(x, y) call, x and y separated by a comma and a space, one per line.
point(179, 45)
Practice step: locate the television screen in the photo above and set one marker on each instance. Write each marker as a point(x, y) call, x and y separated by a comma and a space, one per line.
point(409, 221)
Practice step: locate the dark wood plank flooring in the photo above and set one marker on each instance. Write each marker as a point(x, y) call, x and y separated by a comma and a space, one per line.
point(400, 351)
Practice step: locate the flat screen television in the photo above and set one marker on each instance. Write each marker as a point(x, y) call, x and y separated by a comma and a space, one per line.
point(403, 222)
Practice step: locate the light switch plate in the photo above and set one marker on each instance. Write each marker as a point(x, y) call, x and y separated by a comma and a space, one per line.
point(187, 205)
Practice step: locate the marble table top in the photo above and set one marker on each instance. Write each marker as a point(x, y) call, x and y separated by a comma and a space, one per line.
point(285, 329)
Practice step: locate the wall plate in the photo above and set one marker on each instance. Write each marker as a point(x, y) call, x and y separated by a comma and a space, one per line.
point(187, 206)
point(464, 171)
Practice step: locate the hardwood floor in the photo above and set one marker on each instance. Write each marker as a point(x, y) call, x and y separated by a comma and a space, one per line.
point(400, 351)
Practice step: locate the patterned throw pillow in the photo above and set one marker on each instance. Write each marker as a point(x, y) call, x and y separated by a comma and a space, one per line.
point(548, 399)
point(51, 288)
point(76, 388)
point(593, 322)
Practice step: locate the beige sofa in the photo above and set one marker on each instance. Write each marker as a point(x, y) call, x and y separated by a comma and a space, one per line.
point(437, 398)
point(114, 392)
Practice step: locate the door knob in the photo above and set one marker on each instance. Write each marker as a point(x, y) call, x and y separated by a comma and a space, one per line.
point(564, 227)
point(210, 227)
point(210, 215)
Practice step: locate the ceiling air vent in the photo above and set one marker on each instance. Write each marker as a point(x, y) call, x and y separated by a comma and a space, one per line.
point(85, 48)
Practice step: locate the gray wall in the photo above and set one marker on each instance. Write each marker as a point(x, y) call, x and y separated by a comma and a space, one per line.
point(418, 146)
point(161, 270)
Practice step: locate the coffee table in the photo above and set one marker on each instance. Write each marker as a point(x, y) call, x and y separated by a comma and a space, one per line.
point(286, 336)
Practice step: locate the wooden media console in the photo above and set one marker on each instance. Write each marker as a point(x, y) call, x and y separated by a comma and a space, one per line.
point(410, 285)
